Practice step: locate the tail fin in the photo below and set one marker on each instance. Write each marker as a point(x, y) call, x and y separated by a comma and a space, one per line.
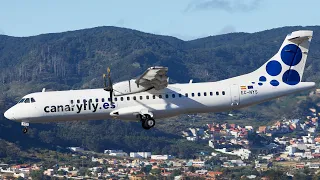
point(288, 64)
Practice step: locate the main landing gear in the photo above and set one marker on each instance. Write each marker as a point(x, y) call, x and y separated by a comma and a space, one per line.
point(25, 127)
point(147, 121)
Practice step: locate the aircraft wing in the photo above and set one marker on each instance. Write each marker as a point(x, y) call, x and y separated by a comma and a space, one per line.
point(154, 77)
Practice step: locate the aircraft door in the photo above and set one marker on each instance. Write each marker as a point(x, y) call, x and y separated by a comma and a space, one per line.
point(235, 98)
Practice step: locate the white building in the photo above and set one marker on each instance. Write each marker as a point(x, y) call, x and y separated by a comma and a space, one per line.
point(193, 131)
point(291, 150)
point(202, 172)
point(49, 172)
point(140, 154)
point(314, 165)
point(161, 157)
point(112, 151)
point(119, 154)
point(211, 143)
point(198, 163)
point(76, 149)
point(243, 153)
point(192, 138)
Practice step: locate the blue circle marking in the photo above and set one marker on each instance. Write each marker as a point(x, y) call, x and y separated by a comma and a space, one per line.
point(291, 77)
point(274, 83)
point(263, 79)
point(260, 84)
point(273, 68)
point(291, 54)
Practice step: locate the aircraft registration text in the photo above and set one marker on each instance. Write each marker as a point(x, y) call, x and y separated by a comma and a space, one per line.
point(249, 92)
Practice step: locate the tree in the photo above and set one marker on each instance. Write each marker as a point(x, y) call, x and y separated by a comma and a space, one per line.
point(20, 178)
point(275, 174)
point(82, 171)
point(61, 172)
point(316, 176)
point(299, 175)
point(38, 175)
point(192, 169)
point(155, 171)
point(176, 172)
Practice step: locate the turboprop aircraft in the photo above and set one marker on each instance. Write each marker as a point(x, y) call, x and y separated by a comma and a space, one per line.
point(150, 97)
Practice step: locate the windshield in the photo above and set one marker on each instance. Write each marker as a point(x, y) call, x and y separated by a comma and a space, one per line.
point(21, 100)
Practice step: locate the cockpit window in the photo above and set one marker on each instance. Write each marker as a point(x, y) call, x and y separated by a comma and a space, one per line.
point(27, 100)
point(32, 100)
point(22, 100)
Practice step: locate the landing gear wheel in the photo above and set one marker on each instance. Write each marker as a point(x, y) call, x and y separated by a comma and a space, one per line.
point(144, 126)
point(148, 123)
point(25, 130)
point(25, 127)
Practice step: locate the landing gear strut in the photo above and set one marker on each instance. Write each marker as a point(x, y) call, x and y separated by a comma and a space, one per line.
point(147, 121)
point(25, 127)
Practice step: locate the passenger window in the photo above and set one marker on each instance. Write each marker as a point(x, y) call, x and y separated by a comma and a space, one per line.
point(154, 96)
point(140, 97)
point(78, 101)
point(102, 100)
point(134, 98)
point(97, 100)
point(128, 98)
point(192, 94)
point(205, 94)
point(32, 100)
point(121, 98)
point(180, 95)
point(173, 95)
point(167, 96)
point(27, 100)
point(160, 96)
point(147, 97)
point(211, 94)
point(186, 94)
point(223, 93)
point(199, 94)
point(71, 101)
point(217, 93)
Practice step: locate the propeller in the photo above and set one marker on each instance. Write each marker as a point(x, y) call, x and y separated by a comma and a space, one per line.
point(109, 87)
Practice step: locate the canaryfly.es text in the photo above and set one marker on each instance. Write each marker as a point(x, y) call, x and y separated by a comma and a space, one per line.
point(78, 108)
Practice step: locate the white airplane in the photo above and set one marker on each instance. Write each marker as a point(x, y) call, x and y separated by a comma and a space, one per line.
point(150, 96)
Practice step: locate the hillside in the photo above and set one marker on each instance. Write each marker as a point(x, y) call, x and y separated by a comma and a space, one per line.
point(77, 59)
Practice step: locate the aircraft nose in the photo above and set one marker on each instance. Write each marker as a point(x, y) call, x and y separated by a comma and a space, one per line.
point(9, 114)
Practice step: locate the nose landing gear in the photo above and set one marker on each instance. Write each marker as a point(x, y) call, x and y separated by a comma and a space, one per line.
point(25, 127)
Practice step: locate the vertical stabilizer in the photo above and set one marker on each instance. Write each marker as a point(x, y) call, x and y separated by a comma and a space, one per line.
point(288, 64)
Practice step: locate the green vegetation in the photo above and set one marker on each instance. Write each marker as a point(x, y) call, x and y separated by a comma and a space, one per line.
point(77, 59)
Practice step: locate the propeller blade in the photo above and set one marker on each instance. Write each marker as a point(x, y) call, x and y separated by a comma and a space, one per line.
point(109, 87)
point(109, 77)
point(104, 80)
point(111, 98)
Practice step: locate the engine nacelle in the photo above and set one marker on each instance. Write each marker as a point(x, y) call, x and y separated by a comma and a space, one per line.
point(128, 87)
